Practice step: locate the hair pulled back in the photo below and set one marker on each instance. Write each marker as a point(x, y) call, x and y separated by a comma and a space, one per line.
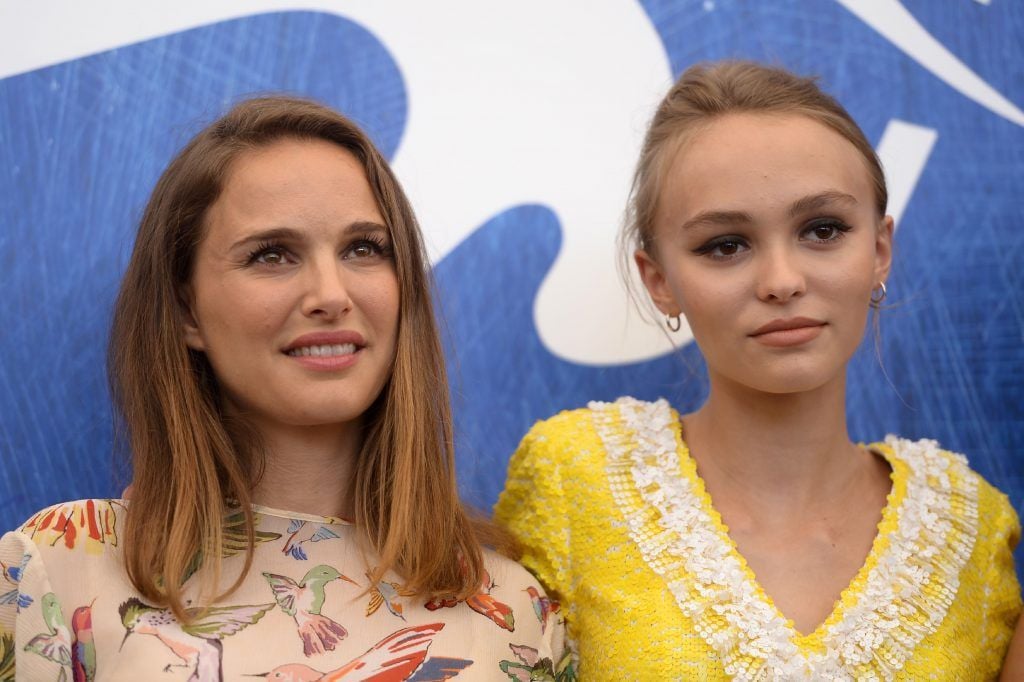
point(707, 91)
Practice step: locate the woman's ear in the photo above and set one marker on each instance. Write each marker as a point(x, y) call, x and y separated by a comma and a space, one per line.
point(883, 248)
point(189, 324)
point(653, 277)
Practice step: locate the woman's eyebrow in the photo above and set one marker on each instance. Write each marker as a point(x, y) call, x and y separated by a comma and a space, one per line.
point(716, 218)
point(293, 235)
point(272, 234)
point(363, 226)
point(812, 202)
point(818, 201)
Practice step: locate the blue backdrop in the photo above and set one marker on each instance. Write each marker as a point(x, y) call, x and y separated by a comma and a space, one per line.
point(82, 143)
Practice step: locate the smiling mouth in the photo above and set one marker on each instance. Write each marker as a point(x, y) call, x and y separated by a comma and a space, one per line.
point(323, 351)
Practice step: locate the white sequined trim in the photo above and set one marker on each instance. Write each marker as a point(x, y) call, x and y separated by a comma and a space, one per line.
point(873, 638)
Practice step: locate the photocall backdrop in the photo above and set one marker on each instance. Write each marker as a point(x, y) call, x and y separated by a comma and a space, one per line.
point(514, 126)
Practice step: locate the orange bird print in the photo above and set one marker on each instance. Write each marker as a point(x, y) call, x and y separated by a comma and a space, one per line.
point(393, 659)
point(483, 603)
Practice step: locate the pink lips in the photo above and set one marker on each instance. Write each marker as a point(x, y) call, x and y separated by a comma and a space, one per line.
point(792, 331)
point(326, 351)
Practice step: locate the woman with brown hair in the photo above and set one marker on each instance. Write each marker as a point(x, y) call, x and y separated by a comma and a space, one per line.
point(274, 348)
point(752, 539)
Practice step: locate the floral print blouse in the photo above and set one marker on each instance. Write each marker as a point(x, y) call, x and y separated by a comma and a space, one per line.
point(618, 525)
point(306, 611)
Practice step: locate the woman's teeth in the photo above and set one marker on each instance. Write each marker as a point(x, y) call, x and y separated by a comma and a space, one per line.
point(328, 350)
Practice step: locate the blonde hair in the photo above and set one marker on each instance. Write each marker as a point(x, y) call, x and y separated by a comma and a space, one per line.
point(189, 458)
point(708, 91)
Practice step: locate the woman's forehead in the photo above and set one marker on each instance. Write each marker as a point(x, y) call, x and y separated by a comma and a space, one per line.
point(743, 161)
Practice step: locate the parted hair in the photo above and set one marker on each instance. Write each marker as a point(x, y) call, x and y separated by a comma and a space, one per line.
point(707, 91)
point(193, 465)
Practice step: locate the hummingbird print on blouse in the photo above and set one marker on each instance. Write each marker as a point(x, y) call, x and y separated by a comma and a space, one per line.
point(395, 658)
point(198, 644)
point(83, 649)
point(234, 540)
point(529, 666)
point(388, 593)
point(483, 603)
point(13, 574)
point(55, 643)
point(300, 532)
point(542, 606)
point(303, 601)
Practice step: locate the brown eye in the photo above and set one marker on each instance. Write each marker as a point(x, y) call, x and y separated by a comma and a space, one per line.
point(362, 251)
point(723, 248)
point(368, 248)
point(271, 258)
point(269, 254)
point(825, 232)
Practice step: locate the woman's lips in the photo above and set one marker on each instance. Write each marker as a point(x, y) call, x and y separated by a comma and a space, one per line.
point(327, 363)
point(788, 332)
point(326, 351)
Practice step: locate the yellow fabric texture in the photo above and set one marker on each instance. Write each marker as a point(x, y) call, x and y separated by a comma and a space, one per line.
point(564, 503)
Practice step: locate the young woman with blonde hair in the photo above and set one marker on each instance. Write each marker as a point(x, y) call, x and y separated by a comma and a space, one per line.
point(751, 539)
point(276, 367)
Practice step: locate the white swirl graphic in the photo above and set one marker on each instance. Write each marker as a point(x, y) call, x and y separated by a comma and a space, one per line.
point(513, 103)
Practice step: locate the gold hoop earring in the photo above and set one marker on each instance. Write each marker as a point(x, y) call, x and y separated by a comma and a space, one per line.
point(876, 301)
point(673, 322)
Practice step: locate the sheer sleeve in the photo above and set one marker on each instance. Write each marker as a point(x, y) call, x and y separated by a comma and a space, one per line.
point(35, 642)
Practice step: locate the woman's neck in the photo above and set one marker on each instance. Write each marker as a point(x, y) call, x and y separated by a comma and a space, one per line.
point(309, 469)
point(787, 455)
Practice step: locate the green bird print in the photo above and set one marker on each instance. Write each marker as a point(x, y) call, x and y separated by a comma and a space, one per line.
point(303, 601)
point(6, 656)
point(530, 667)
point(55, 643)
point(198, 644)
point(234, 540)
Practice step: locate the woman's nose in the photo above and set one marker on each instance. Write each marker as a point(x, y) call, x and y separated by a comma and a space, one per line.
point(779, 276)
point(327, 295)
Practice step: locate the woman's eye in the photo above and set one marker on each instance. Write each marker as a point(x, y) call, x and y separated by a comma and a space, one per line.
point(363, 250)
point(722, 249)
point(826, 232)
point(728, 248)
point(269, 255)
point(271, 258)
point(366, 248)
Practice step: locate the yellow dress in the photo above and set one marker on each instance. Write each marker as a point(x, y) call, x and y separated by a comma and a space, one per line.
point(616, 522)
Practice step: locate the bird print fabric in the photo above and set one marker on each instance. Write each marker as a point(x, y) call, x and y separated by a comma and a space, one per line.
point(306, 611)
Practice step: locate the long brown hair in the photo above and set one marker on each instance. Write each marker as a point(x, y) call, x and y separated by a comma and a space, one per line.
point(708, 91)
point(189, 458)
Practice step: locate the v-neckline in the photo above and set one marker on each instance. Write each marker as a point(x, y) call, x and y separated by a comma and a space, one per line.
point(883, 529)
point(899, 596)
